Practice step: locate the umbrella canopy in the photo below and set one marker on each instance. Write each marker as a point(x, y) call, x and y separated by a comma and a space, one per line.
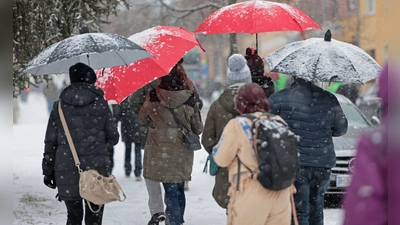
point(325, 60)
point(168, 44)
point(98, 50)
point(255, 17)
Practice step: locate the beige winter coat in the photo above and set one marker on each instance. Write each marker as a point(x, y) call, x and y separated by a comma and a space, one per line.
point(252, 204)
point(165, 158)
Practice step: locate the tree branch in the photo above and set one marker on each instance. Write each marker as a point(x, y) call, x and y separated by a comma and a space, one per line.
point(191, 9)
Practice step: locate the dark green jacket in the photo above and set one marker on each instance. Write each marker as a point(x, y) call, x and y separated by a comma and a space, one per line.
point(165, 157)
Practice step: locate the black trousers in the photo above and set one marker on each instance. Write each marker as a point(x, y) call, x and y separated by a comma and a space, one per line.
point(75, 213)
point(138, 159)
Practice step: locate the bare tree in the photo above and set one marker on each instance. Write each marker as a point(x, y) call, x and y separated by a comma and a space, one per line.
point(190, 9)
point(38, 24)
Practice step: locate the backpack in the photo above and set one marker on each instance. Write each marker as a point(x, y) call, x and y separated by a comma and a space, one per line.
point(276, 150)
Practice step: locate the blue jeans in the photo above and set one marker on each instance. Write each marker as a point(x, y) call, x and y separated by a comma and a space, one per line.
point(175, 201)
point(311, 185)
point(138, 159)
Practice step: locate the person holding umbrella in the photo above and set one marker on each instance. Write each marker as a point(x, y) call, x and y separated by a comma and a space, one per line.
point(256, 65)
point(92, 129)
point(166, 159)
point(316, 116)
point(136, 101)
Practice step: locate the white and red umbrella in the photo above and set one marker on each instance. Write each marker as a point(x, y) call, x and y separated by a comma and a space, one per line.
point(167, 44)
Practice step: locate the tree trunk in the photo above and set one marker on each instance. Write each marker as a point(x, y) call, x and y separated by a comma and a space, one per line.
point(232, 37)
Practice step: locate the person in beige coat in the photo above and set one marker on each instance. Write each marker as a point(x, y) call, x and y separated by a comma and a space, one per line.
point(166, 159)
point(250, 203)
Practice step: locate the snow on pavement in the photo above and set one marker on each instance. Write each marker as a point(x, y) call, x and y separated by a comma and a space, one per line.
point(34, 203)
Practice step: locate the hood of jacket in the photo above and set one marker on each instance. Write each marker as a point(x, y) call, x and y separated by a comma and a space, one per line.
point(80, 94)
point(173, 99)
point(227, 99)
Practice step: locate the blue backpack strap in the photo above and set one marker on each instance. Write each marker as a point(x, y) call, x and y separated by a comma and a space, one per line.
point(247, 130)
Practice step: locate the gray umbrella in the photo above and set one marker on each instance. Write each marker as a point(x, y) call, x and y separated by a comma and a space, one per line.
point(325, 60)
point(98, 50)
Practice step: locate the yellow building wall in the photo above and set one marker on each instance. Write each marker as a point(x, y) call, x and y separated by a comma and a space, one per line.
point(374, 32)
point(374, 29)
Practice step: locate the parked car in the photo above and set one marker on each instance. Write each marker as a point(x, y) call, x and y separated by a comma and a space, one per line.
point(345, 149)
point(369, 103)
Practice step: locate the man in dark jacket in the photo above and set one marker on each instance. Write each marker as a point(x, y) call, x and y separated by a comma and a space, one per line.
point(92, 129)
point(316, 116)
point(220, 112)
point(130, 133)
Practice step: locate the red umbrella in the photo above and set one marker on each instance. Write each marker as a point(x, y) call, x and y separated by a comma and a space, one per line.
point(166, 43)
point(254, 17)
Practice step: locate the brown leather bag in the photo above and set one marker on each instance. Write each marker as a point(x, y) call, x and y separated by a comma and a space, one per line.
point(93, 187)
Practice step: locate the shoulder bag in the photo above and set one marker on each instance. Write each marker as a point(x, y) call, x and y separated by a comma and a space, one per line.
point(190, 139)
point(93, 187)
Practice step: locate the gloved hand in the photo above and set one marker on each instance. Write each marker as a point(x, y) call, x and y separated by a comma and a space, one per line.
point(50, 182)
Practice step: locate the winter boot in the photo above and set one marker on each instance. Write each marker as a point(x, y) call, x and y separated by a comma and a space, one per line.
point(156, 218)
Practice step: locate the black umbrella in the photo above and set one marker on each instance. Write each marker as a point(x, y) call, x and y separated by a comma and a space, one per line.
point(98, 50)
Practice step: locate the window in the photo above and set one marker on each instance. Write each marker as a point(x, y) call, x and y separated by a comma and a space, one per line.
point(352, 4)
point(371, 7)
point(371, 52)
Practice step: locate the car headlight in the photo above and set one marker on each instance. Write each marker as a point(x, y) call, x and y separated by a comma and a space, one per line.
point(352, 164)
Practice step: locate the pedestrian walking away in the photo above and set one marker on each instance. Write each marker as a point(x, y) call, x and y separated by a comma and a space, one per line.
point(155, 202)
point(92, 128)
point(130, 134)
point(315, 116)
point(250, 203)
point(164, 143)
point(220, 112)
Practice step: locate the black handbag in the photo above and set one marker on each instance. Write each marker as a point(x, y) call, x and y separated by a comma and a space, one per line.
point(190, 139)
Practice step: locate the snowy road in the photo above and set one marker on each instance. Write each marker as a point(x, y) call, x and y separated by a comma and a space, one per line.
point(34, 203)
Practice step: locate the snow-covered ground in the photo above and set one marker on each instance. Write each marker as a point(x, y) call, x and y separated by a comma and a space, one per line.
point(34, 203)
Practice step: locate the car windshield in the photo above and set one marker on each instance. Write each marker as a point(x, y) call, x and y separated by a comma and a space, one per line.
point(355, 120)
point(356, 124)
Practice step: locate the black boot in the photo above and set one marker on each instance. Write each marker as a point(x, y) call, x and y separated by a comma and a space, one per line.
point(156, 218)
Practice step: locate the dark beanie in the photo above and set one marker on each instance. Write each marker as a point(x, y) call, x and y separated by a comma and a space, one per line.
point(82, 73)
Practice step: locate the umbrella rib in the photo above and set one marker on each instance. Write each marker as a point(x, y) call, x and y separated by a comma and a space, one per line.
point(121, 58)
point(96, 46)
point(344, 54)
point(315, 67)
point(283, 59)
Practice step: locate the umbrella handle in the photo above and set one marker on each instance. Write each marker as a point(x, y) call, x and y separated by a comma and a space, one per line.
point(88, 59)
point(257, 41)
point(102, 72)
point(198, 42)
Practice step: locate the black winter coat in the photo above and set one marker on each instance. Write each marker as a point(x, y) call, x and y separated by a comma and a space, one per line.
point(92, 129)
point(315, 115)
point(130, 126)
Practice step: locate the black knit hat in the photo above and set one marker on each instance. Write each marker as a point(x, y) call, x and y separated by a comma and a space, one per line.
point(82, 73)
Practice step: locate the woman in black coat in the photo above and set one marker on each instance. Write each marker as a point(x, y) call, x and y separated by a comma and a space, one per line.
point(92, 129)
